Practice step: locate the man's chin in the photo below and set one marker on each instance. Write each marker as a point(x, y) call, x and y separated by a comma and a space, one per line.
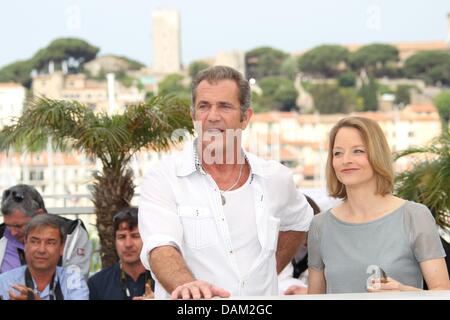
point(42, 267)
point(130, 260)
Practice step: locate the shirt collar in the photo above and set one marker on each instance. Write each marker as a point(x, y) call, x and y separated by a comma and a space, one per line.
point(189, 162)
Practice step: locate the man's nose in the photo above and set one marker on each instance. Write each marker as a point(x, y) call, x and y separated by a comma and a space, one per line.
point(14, 231)
point(128, 242)
point(213, 114)
point(41, 247)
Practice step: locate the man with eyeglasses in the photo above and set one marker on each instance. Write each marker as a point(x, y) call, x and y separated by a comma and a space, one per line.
point(127, 279)
point(19, 205)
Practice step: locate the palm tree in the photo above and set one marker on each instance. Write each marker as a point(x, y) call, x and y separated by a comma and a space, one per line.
point(428, 181)
point(113, 139)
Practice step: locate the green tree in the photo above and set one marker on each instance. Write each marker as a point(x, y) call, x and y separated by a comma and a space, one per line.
point(264, 62)
point(374, 58)
point(111, 139)
point(442, 103)
point(324, 61)
point(132, 64)
point(195, 67)
point(403, 95)
point(173, 84)
point(278, 93)
point(427, 181)
point(347, 79)
point(289, 68)
point(430, 66)
point(72, 50)
point(328, 99)
point(368, 92)
point(19, 72)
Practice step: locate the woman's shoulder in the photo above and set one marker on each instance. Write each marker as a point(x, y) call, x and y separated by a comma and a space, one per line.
point(418, 216)
point(416, 209)
point(319, 219)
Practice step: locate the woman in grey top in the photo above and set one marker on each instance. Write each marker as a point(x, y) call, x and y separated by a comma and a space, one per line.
point(373, 241)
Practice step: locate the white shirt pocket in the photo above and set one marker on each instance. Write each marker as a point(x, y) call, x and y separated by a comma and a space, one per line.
point(199, 226)
point(273, 228)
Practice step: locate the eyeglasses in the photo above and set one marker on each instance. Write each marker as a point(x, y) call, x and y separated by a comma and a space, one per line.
point(16, 226)
point(16, 195)
point(123, 214)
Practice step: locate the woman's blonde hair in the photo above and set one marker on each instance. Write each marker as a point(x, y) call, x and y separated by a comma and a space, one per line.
point(378, 153)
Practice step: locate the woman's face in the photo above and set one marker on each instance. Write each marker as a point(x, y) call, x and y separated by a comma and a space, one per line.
point(350, 160)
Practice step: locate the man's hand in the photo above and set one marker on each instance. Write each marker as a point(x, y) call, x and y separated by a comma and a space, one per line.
point(23, 293)
point(197, 290)
point(294, 290)
point(148, 294)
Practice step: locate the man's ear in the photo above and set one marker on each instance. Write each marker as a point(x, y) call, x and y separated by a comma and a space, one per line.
point(246, 118)
point(40, 211)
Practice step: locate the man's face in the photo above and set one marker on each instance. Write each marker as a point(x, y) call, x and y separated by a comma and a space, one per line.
point(43, 249)
point(16, 223)
point(217, 108)
point(128, 244)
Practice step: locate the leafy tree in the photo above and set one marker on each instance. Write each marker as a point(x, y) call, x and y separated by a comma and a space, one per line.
point(289, 68)
point(173, 84)
point(324, 61)
point(132, 64)
point(279, 93)
point(442, 103)
point(368, 92)
point(111, 139)
point(431, 66)
point(427, 181)
point(72, 50)
point(374, 58)
point(264, 62)
point(19, 72)
point(347, 79)
point(403, 95)
point(352, 100)
point(195, 67)
point(328, 99)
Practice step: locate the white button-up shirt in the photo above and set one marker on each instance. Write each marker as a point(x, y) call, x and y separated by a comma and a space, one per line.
point(180, 205)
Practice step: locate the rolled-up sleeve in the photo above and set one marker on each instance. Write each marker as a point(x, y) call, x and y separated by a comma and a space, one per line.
point(296, 213)
point(158, 220)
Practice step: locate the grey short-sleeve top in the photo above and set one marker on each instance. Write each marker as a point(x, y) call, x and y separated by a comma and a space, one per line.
point(397, 242)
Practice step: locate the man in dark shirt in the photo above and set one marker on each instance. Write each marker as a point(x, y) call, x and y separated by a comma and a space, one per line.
point(127, 279)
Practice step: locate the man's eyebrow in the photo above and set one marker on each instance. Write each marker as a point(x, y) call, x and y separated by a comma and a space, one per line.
point(225, 103)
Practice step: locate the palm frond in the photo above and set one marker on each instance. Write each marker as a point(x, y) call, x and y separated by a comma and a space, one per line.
point(428, 181)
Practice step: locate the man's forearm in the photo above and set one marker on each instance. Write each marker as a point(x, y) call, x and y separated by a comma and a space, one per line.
point(288, 244)
point(169, 267)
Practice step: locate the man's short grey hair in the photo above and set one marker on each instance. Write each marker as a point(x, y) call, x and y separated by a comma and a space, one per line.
point(46, 220)
point(23, 198)
point(219, 73)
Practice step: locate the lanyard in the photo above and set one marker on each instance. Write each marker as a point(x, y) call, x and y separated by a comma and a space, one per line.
point(55, 292)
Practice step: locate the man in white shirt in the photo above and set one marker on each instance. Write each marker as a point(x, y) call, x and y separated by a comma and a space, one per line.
point(215, 220)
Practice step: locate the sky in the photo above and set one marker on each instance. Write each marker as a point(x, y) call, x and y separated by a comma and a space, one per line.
point(123, 27)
